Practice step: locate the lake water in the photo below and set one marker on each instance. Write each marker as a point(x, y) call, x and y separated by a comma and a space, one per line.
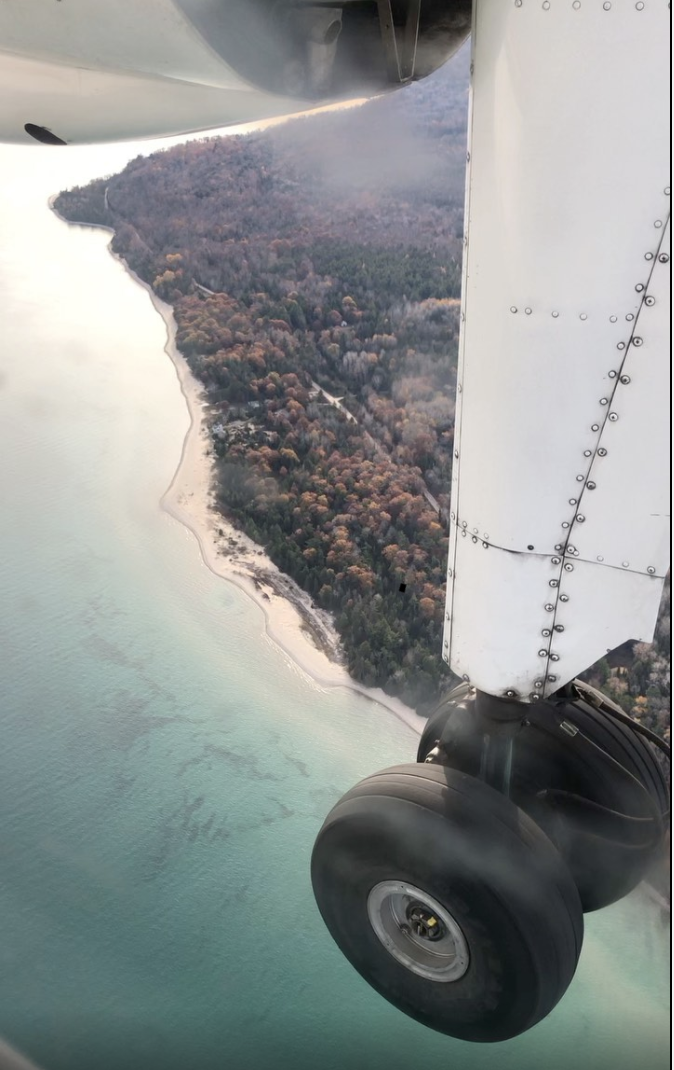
point(163, 768)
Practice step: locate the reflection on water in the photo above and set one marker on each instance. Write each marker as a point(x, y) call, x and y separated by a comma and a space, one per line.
point(163, 769)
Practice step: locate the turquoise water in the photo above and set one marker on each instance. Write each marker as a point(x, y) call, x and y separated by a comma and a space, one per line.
point(163, 768)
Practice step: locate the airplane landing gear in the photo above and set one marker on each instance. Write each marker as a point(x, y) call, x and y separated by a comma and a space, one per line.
point(449, 901)
point(456, 886)
point(585, 776)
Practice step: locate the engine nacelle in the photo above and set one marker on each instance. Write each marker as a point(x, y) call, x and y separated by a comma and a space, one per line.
point(316, 51)
point(88, 70)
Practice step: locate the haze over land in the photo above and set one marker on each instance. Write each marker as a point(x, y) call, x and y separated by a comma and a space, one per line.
point(321, 260)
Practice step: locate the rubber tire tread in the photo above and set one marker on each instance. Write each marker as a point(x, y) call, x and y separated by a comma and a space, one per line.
point(444, 829)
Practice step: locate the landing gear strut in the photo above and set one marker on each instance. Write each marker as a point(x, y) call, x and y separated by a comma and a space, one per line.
point(456, 886)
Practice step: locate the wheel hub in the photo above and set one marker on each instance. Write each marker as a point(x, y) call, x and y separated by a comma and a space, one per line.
point(418, 931)
point(424, 923)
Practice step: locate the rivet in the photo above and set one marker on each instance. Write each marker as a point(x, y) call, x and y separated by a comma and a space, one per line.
point(456, 454)
point(629, 317)
point(513, 309)
point(573, 501)
point(576, 4)
point(612, 375)
point(583, 315)
point(658, 222)
point(554, 657)
point(542, 653)
point(474, 531)
point(590, 485)
point(546, 5)
point(446, 643)
point(664, 258)
point(559, 627)
point(559, 546)
point(613, 319)
point(474, 538)
point(650, 301)
point(603, 401)
point(600, 558)
point(464, 523)
point(571, 549)
point(446, 616)
point(607, 6)
point(553, 583)
point(466, 678)
point(625, 379)
point(537, 683)
point(445, 656)
point(546, 633)
point(449, 573)
point(640, 287)
point(626, 564)
point(565, 524)
point(518, 3)
point(580, 518)
point(527, 312)
point(564, 598)
point(535, 698)
point(459, 388)
point(651, 570)
point(580, 479)
point(555, 560)
point(648, 256)
point(587, 453)
point(613, 416)
point(602, 452)
point(595, 427)
point(621, 345)
point(637, 341)
point(667, 191)
point(555, 315)
point(548, 608)
point(510, 693)
point(486, 534)
point(552, 679)
point(452, 516)
point(568, 568)
point(639, 6)
point(485, 545)
point(463, 534)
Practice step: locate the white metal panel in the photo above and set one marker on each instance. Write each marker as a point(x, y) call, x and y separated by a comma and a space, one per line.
point(81, 106)
point(567, 195)
point(585, 588)
point(487, 577)
point(139, 36)
point(92, 70)
point(637, 412)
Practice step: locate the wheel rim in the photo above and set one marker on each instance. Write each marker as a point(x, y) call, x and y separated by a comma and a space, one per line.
point(418, 931)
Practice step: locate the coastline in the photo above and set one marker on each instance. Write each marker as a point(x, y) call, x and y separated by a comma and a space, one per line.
point(303, 632)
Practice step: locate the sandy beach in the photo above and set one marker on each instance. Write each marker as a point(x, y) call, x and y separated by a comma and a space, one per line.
point(304, 632)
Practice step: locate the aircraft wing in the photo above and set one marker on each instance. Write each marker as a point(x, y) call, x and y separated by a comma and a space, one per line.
point(90, 70)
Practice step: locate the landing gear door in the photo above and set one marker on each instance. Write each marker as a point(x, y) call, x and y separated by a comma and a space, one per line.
point(560, 493)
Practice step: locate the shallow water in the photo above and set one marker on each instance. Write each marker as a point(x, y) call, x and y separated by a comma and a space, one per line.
point(164, 769)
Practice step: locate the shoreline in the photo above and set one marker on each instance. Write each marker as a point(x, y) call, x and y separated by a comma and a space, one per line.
point(304, 633)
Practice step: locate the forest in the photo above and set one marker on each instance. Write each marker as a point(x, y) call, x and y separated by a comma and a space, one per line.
point(315, 272)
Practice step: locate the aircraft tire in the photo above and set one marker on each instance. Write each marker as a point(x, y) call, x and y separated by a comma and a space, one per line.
point(422, 844)
point(607, 856)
